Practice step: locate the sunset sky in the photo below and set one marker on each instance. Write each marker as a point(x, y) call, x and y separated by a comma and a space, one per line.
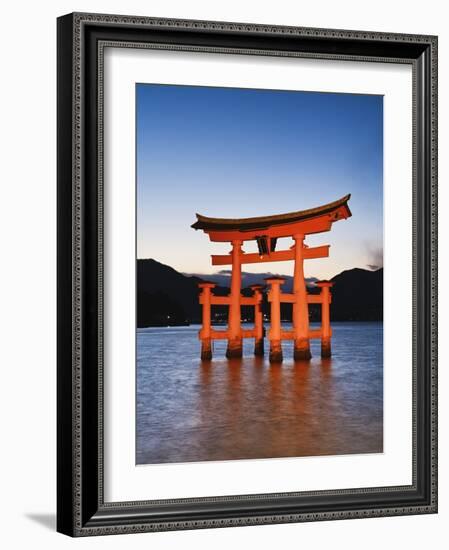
point(227, 152)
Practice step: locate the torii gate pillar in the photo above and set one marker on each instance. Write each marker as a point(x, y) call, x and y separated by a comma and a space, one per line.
point(235, 328)
point(300, 305)
point(258, 320)
point(326, 331)
point(275, 332)
point(206, 330)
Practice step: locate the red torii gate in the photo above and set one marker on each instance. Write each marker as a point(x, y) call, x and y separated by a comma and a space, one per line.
point(265, 230)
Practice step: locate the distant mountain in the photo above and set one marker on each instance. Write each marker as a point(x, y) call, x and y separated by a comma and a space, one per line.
point(164, 296)
point(223, 278)
point(357, 295)
point(167, 297)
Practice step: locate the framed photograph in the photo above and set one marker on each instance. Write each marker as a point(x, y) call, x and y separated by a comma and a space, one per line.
point(247, 283)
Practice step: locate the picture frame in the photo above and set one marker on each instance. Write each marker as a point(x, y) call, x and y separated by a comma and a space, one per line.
point(81, 507)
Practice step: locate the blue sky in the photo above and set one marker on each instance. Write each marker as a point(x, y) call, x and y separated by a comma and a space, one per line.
point(231, 152)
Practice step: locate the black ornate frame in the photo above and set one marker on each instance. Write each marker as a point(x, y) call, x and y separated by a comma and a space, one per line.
point(81, 507)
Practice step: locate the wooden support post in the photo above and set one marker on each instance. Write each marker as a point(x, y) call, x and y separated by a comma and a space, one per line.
point(235, 329)
point(300, 305)
point(258, 320)
point(274, 335)
point(205, 332)
point(326, 331)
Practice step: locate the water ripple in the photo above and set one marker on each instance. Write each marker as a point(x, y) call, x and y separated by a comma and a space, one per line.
point(246, 408)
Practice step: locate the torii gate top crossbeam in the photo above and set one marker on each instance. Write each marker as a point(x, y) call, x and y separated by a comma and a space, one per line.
point(313, 220)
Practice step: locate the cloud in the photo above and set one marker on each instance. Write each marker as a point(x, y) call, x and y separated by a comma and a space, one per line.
point(376, 257)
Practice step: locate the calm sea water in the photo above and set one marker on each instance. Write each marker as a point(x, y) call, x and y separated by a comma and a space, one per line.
point(245, 409)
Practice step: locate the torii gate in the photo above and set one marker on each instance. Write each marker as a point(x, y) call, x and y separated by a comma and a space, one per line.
point(266, 230)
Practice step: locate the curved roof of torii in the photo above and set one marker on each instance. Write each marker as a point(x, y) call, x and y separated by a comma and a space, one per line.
point(263, 222)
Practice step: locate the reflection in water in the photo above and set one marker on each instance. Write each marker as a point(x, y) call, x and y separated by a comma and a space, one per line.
point(246, 408)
